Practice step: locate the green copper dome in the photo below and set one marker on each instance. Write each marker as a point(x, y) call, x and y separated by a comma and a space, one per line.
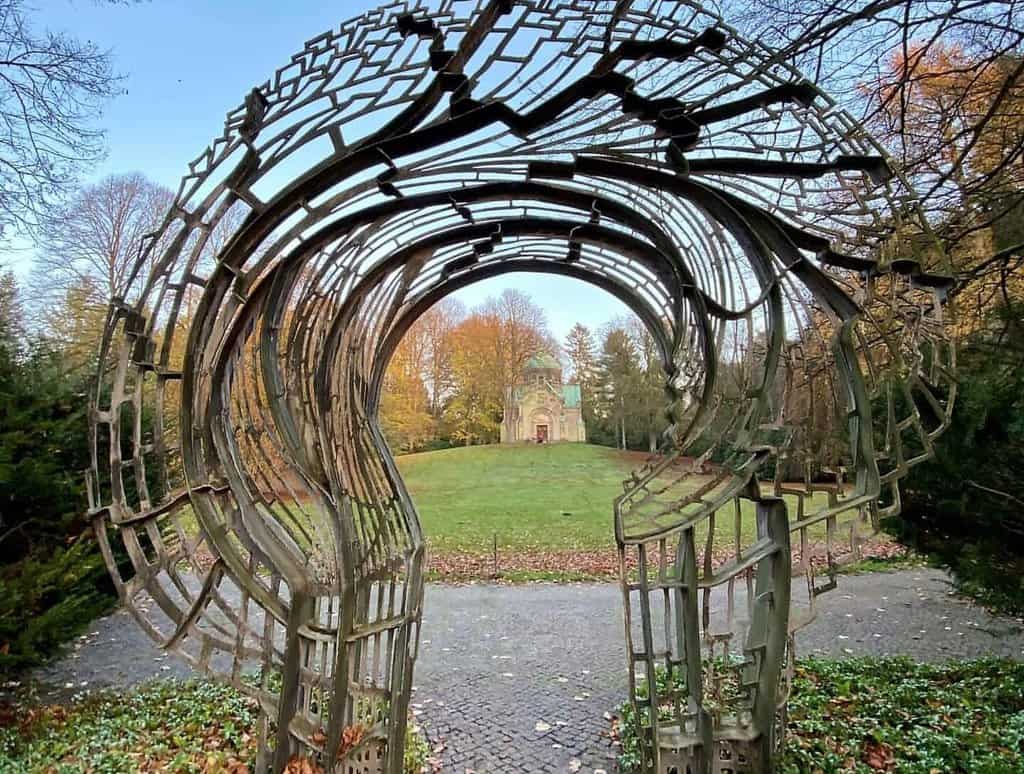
point(543, 360)
point(571, 396)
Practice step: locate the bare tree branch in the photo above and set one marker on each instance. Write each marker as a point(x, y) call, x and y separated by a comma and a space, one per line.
point(51, 90)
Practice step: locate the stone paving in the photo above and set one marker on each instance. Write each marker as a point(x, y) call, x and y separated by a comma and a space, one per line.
point(519, 678)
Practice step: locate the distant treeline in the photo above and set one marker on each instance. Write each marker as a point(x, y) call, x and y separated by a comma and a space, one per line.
point(450, 377)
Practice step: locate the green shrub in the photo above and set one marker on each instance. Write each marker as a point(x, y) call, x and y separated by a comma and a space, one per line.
point(417, 750)
point(52, 581)
point(45, 601)
point(965, 508)
point(162, 726)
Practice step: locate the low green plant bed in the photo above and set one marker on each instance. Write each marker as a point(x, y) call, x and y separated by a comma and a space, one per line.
point(892, 714)
point(200, 726)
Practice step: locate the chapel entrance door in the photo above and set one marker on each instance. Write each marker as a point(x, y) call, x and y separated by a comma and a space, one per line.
point(542, 433)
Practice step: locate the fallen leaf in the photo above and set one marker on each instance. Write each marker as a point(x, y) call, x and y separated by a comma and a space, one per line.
point(300, 764)
point(350, 737)
point(603, 564)
point(878, 756)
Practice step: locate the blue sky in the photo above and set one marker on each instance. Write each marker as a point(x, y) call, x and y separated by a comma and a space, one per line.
point(187, 62)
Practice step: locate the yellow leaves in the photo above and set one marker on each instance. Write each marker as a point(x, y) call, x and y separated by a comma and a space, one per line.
point(217, 765)
point(955, 119)
point(464, 365)
point(405, 416)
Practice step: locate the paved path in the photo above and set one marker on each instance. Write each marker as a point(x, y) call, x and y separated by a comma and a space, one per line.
point(496, 661)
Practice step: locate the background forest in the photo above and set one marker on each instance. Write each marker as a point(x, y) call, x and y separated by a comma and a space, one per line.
point(941, 84)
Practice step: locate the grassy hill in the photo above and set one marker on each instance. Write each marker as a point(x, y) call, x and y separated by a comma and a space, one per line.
point(532, 496)
point(549, 506)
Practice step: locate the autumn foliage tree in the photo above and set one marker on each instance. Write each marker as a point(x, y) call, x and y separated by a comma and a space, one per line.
point(473, 414)
point(493, 346)
point(405, 402)
point(438, 324)
point(420, 379)
point(451, 375)
point(940, 84)
point(956, 124)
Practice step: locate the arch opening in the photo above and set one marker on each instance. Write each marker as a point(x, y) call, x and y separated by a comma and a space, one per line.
point(755, 229)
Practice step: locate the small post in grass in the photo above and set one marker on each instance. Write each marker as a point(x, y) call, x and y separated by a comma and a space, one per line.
point(494, 570)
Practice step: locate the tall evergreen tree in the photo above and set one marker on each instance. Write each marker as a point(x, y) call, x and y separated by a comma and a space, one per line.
point(579, 348)
point(619, 378)
point(53, 581)
point(649, 401)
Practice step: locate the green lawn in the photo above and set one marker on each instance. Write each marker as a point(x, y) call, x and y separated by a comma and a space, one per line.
point(550, 507)
point(532, 496)
point(550, 497)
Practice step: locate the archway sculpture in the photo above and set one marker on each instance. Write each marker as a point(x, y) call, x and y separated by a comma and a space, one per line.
point(756, 229)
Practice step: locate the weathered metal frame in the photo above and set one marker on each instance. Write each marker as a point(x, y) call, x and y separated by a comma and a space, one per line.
point(754, 227)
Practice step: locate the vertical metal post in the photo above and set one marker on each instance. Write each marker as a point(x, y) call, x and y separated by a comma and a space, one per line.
point(291, 675)
point(772, 594)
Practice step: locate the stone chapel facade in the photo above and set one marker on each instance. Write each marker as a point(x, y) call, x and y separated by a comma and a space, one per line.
point(542, 409)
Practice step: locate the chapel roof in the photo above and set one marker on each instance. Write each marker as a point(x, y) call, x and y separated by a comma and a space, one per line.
point(570, 394)
point(543, 360)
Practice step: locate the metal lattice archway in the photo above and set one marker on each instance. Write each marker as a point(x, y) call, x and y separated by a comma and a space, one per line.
point(643, 147)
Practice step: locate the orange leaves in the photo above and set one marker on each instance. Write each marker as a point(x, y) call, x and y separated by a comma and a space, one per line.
point(878, 756)
point(351, 736)
point(539, 564)
point(461, 366)
point(299, 764)
point(952, 113)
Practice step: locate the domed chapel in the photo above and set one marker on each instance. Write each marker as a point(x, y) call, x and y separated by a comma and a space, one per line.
point(543, 409)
